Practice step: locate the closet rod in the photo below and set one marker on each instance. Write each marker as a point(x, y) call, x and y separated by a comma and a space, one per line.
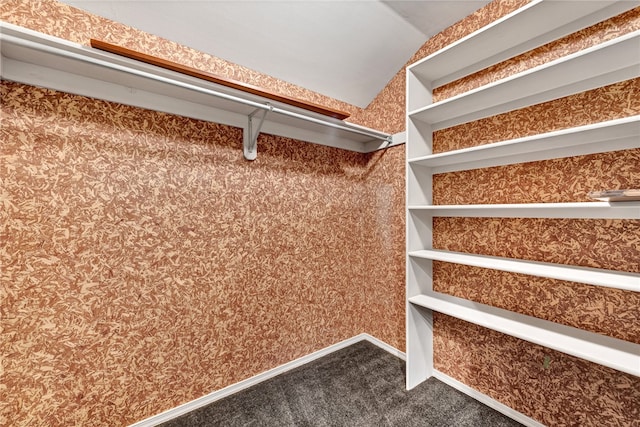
point(214, 78)
point(82, 56)
point(172, 66)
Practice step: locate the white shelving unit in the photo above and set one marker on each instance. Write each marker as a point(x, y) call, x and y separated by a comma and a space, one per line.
point(38, 59)
point(535, 24)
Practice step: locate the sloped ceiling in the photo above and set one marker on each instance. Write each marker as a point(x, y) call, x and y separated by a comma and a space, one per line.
point(347, 50)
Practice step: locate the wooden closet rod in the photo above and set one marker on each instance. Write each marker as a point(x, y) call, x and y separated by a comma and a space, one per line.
point(173, 66)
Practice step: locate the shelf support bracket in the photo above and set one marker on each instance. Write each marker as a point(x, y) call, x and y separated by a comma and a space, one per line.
point(250, 138)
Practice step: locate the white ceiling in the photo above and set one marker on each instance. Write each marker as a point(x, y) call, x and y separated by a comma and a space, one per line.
point(348, 50)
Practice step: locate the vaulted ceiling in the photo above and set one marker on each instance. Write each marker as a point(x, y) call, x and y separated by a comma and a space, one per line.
point(347, 50)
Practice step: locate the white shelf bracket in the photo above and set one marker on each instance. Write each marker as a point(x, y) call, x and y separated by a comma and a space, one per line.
point(250, 137)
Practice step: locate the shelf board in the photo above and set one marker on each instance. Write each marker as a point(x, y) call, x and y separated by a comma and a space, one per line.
point(577, 210)
point(612, 135)
point(609, 62)
point(612, 352)
point(531, 26)
point(591, 276)
point(38, 59)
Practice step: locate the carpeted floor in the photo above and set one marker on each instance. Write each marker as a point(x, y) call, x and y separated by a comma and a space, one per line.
point(361, 385)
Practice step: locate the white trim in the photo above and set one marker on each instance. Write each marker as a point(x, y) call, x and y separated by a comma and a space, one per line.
point(613, 210)
point(487, 400)
point(249, 382)
point(383, 345)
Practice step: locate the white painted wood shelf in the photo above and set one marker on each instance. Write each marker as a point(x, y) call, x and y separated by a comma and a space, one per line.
point(578, 210)
point(535, 24)
point(612, 135)
point(590, 276)
point(38, 59)
point(609, 62)
point(612, 352)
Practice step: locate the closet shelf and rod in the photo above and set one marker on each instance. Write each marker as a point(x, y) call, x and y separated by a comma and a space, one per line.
point(38, 59)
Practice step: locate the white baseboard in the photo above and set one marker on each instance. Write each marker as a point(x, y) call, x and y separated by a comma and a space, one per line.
point(489, 401)
point(480, 397)
point(383, 345)
point(234, 388)
point(249, 382)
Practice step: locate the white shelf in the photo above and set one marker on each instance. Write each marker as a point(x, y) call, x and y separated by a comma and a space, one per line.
point(578, 210)
point(613, 135)
point(597, 66)
point(38, 59)
point(614, 353)
point(590, 276)
point(533, 25)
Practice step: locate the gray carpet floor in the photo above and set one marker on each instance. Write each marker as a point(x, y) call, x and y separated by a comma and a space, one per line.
point(361, 385)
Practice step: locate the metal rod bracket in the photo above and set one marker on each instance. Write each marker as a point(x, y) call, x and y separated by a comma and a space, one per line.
point(250, 137)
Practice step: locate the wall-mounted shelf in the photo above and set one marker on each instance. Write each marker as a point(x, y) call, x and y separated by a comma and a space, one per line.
point(590, 276)
point(244, 87)
point(38, 59)
point(575, 210)
point(619, 134)
point(535, 24)
point(607, 351)
point(597, 66)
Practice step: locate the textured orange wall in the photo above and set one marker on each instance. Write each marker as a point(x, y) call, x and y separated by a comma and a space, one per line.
point(146, 263)
point(571, 392)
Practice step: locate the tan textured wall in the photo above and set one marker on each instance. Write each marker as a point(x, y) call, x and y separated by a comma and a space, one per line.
point(571, 392)
point(146, 263)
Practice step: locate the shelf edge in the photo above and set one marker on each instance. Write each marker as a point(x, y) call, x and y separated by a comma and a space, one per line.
point(574, 210)
point(604, 350)
point(587, 275)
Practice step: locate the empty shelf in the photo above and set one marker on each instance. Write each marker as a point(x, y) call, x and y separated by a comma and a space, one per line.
point(596, 66)
point(612, 352)
point(608, 210)
point(612, 135)
point(591, 276)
